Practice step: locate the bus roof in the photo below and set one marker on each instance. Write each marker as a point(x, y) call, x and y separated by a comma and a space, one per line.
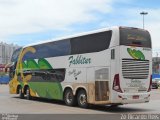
point(78, 35)
point(72, 36)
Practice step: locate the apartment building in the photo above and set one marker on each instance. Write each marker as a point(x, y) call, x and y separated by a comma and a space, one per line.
point(6, 51)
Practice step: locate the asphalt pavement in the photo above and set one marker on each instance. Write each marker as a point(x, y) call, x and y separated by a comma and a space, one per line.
point(12, 104)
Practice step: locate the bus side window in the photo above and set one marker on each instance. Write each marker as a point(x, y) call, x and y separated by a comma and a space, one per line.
point(113, 54)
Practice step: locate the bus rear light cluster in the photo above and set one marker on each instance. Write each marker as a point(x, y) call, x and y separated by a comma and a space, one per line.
point(116, 84)
point(150, 84)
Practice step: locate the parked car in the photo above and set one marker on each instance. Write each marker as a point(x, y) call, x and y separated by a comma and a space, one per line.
point(158, 81)
point(155, 83)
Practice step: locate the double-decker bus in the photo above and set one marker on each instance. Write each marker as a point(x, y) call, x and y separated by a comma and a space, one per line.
point(103, 67)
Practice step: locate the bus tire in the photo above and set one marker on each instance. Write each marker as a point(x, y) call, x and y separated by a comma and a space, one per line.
point(82, 99)
point(69, 98)
point(21, 94)
point(28, 95)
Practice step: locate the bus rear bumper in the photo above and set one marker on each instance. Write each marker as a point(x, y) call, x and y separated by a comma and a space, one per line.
point(129, 98)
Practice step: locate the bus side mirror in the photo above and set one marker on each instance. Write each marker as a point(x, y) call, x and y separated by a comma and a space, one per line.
point(11, 72)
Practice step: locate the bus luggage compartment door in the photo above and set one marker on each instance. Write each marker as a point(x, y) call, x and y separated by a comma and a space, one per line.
point(102, 84)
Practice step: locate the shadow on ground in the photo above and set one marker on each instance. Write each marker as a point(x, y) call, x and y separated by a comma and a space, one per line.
point(110, 109)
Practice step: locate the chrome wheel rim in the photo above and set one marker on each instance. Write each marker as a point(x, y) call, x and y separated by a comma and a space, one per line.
point(69, 97)
point(27, 93)
point(20, 91)
point(83, 99)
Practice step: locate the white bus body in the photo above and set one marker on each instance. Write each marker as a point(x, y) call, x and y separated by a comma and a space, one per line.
point(120, 74)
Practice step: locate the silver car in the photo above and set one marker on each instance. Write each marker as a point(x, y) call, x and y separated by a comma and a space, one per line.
point(155, 83)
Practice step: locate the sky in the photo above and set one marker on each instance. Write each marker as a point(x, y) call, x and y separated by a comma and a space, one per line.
point(24, 22)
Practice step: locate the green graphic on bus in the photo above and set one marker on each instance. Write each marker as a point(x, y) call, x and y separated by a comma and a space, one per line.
point(48, 89)
point(136, 54)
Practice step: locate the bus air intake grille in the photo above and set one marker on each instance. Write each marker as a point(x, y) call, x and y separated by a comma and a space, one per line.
point(135, 69)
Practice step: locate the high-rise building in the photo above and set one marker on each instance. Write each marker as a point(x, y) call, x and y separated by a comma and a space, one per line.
point(6, 51)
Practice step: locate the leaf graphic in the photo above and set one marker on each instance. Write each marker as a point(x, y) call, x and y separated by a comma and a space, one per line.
point(32, 65)
point(43, 64)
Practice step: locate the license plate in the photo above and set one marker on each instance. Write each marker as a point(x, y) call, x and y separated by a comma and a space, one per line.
point(136, 97)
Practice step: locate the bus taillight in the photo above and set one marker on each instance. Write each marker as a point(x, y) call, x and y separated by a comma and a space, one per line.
point(116, 83)
point(150, 84)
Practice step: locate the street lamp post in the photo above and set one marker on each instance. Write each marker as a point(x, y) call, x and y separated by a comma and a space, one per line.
point(143, 13)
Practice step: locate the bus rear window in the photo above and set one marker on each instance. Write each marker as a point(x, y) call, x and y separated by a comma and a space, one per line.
point(135, 37)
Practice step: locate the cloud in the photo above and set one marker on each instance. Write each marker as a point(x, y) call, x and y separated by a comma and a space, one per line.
point(33, 17)
point(29, 16)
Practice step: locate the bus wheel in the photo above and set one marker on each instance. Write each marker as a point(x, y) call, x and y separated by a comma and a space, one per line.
point(69, 98)
point(82, 99)
point(21, 94)
point(28, 95)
